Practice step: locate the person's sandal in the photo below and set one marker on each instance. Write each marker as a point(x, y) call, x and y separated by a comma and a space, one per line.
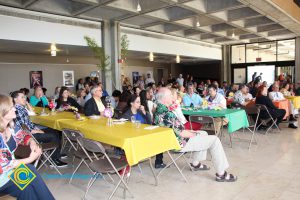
point(200, 167)
point(226, 177)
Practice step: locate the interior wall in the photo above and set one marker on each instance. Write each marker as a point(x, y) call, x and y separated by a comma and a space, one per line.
point(15, 68)
point(202, 71)
point(143, 66)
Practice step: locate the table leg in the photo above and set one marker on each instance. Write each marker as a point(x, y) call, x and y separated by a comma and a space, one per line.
point(152, 170)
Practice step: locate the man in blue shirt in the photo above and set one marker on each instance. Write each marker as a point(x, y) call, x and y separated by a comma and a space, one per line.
point(191, 98)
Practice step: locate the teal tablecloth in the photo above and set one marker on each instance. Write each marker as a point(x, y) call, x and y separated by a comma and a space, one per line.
point(237, 118)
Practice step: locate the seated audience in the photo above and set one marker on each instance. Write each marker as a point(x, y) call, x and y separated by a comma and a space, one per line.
point(56, 93)
point(285, 90)
point(176, 109)
point(25, 92)
point(94, 105)
point(215, 99)
point(10, 139)
point(197, 142)
point(45, 135)
point(80, 97)
point(254, 89)
point(79, 84)
point(240, 96)
point(191, 98)
point(137, 91)
point(137, 110)
point(277, 114)
point(64, 100)
point(115, 98)
point(38, 99)
point(275, 95)
point(219, 90)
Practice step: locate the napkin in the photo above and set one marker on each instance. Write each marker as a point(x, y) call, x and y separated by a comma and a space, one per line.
point(151, 127)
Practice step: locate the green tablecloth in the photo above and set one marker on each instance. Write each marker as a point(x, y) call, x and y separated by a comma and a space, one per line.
point(237, 118)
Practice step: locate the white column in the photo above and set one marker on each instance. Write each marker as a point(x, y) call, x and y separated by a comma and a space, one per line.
point(297, 60)
point(111, 35)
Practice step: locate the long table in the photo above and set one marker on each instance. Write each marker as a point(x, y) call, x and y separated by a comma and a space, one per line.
point(237, 118)
point(137, 143)
point(295, 100)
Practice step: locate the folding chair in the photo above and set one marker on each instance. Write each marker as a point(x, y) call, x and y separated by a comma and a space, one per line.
point(72, 138)
point(173, 162)
point(47, 150)
point(264, 121)
point(106, 165)
point(208, 123)
point(252, 115)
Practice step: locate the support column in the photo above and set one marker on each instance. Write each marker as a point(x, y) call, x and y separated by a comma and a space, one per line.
point(297, 61)
point(111, 38)
point(226, 64)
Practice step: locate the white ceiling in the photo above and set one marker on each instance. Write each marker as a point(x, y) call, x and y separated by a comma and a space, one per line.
point(249, 20)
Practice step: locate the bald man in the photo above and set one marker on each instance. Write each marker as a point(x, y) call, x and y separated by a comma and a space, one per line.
point(192, 141)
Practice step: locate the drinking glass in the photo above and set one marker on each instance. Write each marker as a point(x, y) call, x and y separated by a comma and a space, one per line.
point(137, 124)
point(133, 119)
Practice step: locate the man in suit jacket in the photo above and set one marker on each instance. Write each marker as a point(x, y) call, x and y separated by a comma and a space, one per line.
point(94, 105)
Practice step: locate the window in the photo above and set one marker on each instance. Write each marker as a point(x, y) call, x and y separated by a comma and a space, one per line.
point(286, 50)
point(261, 52)
point(238, 54)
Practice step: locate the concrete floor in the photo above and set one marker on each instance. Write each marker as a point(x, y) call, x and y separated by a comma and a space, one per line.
point(270, 170)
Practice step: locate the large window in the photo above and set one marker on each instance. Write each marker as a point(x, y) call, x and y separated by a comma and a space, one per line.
point(286, 50)
point(261, 52)
point(238, 54)
point(271, 51)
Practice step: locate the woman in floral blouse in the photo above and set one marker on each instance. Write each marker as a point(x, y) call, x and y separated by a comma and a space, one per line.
point(9, 140)
point(192, 141)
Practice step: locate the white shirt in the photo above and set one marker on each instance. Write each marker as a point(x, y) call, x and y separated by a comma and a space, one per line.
point(219, 100)
point(151, 105)
point(180, 81)
point(179, 115)
point(149, 80)
point(276, 96)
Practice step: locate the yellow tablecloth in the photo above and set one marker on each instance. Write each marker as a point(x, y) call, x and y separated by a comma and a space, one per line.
point(137, 143)
point(295, 100)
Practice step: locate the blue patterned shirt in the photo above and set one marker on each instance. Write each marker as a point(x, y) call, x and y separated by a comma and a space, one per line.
point(23, 118)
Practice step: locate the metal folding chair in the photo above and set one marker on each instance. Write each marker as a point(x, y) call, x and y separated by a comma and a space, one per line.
point(264, 121)
point(208, 123)
point(252, 115)
point(103, 166)
point(47, 151)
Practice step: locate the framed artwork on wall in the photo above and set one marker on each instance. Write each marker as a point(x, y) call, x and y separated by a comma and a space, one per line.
point(36, 78)
point(68, 78)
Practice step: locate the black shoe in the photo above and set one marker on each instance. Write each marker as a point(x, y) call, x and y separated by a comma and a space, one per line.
point(292, 119)
point(59, 163)
point(162, 165)
point(292, 126)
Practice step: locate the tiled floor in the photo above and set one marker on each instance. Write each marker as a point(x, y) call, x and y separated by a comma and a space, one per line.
point(270, 170)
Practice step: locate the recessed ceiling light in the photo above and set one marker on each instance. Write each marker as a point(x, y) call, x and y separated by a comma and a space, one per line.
point(198, 24)
point(177, 59)
point(151, 57)
point(138, 8)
